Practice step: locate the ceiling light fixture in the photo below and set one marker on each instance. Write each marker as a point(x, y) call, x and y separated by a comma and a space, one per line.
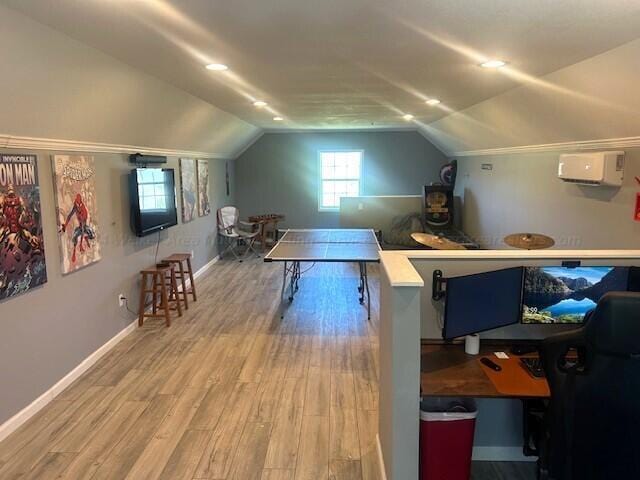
point(408, 117)
point(259, 104)
point(278, 119)
point(217, 67)
point(493, 64)
point(432, 102)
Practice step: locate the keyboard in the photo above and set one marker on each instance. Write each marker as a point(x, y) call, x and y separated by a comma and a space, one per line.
point(533, 366)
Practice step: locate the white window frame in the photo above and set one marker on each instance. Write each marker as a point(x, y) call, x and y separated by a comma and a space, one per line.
point(360, 179)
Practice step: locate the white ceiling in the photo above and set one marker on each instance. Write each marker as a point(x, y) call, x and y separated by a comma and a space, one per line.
point(342, 63)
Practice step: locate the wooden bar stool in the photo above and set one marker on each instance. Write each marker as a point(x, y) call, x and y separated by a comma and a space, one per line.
point(158, 276)
point(179, 260)
point(176, 299)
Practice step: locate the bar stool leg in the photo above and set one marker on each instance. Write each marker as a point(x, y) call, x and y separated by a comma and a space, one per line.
point(193, 285)
point(185, 294)
point(164, 299)
point(143, 296)
point(155, 292)
point(174, 289)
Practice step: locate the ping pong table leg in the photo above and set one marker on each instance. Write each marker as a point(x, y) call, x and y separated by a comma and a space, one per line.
point(282, 289)
point(364, 282)
point(293, 283)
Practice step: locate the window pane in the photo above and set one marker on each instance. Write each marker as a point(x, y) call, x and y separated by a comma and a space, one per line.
point(329, 186)
point(353, 169)
point(341, 168)
point(329, 201)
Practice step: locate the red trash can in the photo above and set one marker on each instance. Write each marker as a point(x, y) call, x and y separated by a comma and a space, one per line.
point(447, 426)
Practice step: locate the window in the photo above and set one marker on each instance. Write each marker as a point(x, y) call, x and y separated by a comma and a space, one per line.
point(340, 173)
point(152, 189)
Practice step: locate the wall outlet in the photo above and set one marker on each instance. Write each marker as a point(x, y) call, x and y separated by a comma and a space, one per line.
point(121, 300)
point(361, 206)
point(192, 254)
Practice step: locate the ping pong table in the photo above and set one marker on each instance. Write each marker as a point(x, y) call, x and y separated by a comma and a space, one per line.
point(324, 245)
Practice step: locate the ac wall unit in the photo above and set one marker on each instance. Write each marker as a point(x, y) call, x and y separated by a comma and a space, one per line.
point(592, 168)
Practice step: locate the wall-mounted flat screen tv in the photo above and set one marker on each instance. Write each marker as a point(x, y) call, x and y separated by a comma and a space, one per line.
point(153, 200)
point(565, 295)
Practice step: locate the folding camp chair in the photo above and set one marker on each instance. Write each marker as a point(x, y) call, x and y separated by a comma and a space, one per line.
point(231, 235)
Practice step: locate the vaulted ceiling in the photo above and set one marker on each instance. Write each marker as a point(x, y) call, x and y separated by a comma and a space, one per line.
point(343, 63)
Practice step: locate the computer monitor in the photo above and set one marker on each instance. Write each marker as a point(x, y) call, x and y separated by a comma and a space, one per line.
point(484, 301)
point(564, 295)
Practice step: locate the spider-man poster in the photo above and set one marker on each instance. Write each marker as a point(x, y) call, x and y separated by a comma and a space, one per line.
point(22, 262)
point(76, 209)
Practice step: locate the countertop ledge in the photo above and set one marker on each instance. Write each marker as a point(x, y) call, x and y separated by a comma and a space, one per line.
point(401, 273)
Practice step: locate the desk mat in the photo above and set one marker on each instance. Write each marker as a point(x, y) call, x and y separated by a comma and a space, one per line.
point(514, 381)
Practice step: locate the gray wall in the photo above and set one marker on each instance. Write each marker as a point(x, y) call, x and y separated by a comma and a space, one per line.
point(48, 331)
point(55, 87)
point(597, 98)
point(279, 173)
point(522, 193)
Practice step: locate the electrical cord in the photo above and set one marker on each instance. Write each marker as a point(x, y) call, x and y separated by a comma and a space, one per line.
point(155, 259)
point(126, 305)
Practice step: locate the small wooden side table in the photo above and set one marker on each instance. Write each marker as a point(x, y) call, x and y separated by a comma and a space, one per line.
point(182, 263)
point(267, 223)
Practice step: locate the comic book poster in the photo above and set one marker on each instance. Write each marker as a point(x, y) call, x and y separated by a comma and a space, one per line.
point(189, 188)
point(74, 178)
point(204, 207)
point(22, 262)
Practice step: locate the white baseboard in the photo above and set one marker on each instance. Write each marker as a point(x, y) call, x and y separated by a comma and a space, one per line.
point(201, 271)
point(39, 403)
point(500, 454)
point(34, 407)
point(383, 471)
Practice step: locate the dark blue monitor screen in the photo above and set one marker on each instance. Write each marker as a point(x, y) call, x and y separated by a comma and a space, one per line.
point(475, 303)
point(558, 295)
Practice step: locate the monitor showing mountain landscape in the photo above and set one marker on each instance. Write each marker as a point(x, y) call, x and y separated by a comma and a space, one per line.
point(564, 295)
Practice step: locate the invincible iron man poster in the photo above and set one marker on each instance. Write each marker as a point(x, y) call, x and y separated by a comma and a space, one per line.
point(22, 262)
point(77, 211)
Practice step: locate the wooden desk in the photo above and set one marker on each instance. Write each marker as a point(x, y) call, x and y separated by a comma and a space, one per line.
point(447, 371)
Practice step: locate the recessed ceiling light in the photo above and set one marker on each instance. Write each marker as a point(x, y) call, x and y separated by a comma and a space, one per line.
point(259, 103)
point(217, 67)
point(493, 64)
point(432, 102)
point(278, 119)
point(408, 117)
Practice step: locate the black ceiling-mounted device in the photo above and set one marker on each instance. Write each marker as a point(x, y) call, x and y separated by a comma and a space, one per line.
point(141, 160)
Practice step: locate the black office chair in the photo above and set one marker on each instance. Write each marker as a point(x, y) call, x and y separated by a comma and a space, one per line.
point(592, 426)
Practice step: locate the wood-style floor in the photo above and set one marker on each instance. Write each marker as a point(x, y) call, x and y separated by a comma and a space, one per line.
point(229, 391)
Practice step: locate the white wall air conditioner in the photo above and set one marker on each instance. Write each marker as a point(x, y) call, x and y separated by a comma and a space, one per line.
point(592, 168)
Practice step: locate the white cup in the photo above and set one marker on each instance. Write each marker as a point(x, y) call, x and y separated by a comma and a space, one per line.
point(472, 344)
